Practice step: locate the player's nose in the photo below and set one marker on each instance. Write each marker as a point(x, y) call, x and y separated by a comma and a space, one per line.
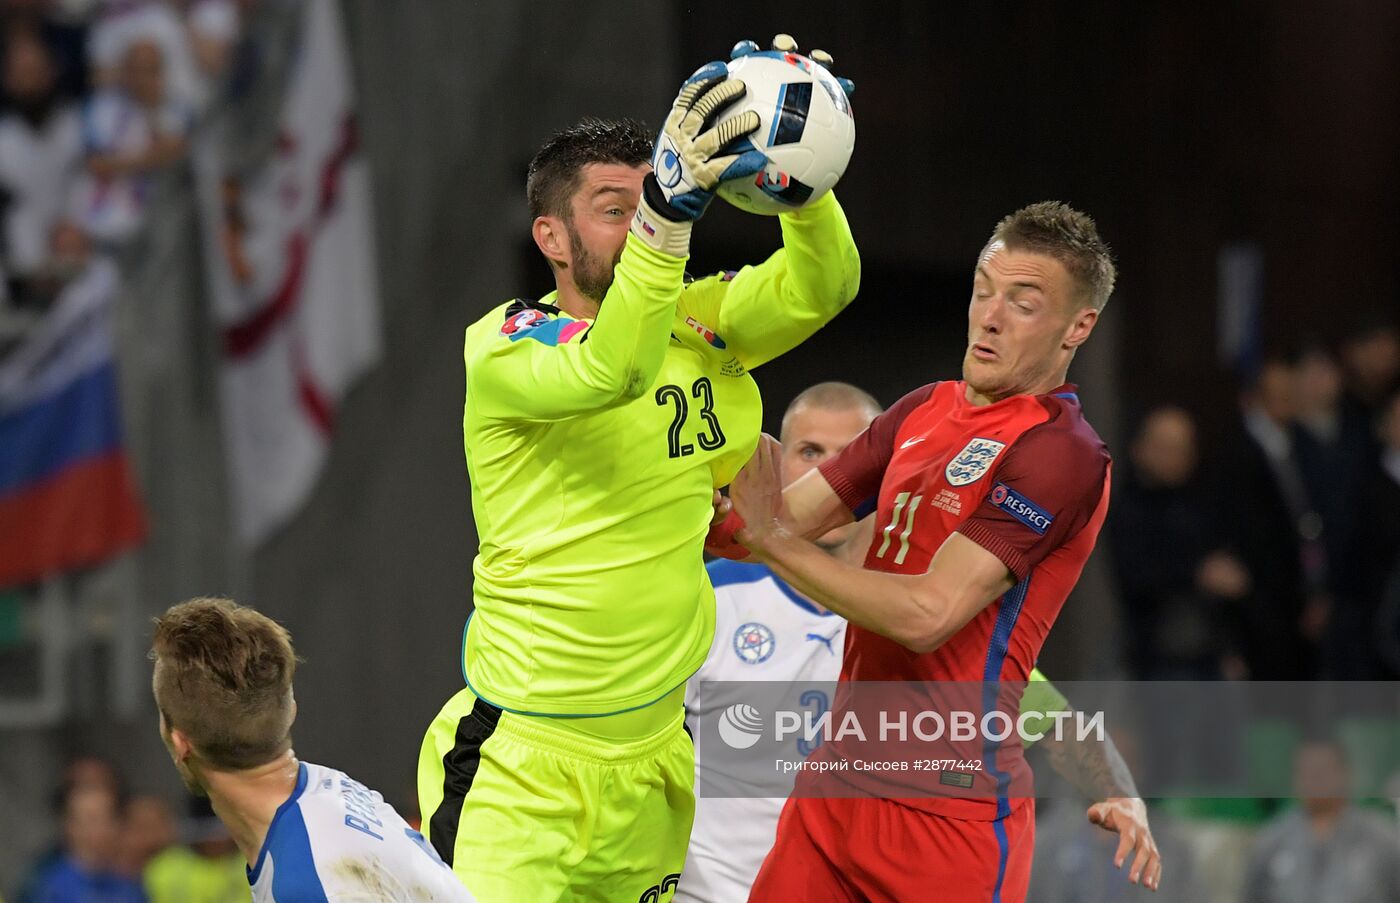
point(989, 315)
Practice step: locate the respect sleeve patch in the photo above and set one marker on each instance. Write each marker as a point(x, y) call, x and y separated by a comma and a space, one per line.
point(1021, 508)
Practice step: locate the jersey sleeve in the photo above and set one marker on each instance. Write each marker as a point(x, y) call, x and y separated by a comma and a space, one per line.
point(767, 310)
point(855, 473)
point(555, 369)
point(1043, 697)
point(1047, 486)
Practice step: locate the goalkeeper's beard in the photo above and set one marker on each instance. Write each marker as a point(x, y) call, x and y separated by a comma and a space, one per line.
point(592, 277)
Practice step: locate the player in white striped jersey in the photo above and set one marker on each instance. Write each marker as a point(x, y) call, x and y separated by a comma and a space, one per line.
point(767, 631)
point(223, 686)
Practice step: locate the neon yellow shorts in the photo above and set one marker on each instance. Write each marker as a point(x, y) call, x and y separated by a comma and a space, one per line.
point(531, 808)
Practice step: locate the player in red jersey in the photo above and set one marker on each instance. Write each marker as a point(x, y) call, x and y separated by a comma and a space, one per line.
point(989, 493)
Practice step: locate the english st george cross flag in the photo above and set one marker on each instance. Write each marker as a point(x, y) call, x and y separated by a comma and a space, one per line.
point(293, 282)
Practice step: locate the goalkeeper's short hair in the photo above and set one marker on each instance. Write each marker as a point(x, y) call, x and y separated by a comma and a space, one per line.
point(556, 168)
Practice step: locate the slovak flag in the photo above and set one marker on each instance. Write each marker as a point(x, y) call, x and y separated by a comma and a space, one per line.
point(67, 497)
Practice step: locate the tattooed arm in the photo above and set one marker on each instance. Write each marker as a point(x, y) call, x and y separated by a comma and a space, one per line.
point(1097, 770)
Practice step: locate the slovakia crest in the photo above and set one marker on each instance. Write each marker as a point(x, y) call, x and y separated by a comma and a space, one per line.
point(753, 643)
point(972, 463)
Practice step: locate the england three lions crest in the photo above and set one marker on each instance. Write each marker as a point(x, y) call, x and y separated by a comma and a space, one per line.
point(972, 463)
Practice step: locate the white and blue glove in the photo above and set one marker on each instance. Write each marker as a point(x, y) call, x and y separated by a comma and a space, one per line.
point(689, 164)
point(786, 43)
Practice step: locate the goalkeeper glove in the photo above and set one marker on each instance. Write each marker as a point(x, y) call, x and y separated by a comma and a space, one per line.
point(688, 163)
point(785, 43)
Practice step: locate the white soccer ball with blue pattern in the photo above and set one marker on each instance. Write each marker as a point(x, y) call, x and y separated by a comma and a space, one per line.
point(807, 131)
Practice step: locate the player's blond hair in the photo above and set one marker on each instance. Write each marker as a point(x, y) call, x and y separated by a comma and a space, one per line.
point(831, 396)
point(1071, 237)
point(223, 678)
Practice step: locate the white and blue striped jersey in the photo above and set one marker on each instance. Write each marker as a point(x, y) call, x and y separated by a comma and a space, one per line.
point(336, 841)
point(764, 630)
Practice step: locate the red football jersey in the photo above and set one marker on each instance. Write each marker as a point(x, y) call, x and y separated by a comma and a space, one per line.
point(1026, 478)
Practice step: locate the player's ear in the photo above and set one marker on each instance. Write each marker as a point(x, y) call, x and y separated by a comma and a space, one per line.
point(552, 238)
point(1080, 327)
point(180, 745)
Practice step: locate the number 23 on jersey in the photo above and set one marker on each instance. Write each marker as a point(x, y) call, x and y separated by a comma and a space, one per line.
point(709, 435)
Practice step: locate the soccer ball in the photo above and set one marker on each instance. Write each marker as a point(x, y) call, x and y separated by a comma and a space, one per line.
point(806, 130)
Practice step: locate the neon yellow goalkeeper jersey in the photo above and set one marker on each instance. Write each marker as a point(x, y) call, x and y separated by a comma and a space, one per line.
point(593, 449)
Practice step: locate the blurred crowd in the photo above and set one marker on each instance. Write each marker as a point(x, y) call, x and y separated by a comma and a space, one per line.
point(97, 99)
point(116, 848)
point(1274, 553)
point(1323, 846)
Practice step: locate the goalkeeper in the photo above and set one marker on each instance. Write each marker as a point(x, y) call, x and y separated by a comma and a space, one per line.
point(599, 421)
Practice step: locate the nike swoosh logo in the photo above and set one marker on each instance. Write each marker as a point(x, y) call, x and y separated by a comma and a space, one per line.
point(909, 442)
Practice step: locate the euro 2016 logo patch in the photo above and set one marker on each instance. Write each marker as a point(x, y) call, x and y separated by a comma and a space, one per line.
point(972, 463)
point(753, 643)
point(526, 319)
point(1021, 508)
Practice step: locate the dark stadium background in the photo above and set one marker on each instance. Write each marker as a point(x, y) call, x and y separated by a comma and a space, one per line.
point(1182, 127)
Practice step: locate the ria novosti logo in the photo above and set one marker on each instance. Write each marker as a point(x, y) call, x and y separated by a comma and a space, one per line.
point(740, 726)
